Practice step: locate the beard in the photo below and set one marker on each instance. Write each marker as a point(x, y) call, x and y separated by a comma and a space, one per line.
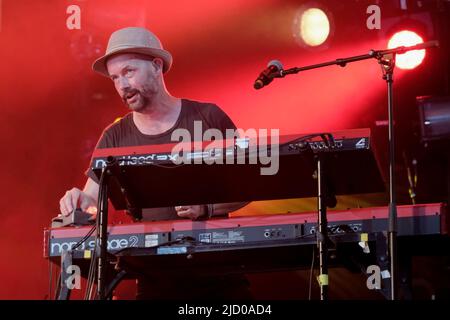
point(138, 100)
point(137, 103)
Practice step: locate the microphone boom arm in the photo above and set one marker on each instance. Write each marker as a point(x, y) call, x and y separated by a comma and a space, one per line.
point(377, 54)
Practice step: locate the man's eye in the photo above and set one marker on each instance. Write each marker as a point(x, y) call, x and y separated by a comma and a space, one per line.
point(129, 72)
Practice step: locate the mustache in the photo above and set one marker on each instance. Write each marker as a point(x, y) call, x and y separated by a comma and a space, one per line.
point(129, 93)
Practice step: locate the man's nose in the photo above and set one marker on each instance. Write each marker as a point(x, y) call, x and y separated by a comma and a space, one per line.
point(123, 84)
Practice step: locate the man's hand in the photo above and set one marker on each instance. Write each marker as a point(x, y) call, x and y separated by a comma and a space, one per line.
point(191, 212)
point(75, 198)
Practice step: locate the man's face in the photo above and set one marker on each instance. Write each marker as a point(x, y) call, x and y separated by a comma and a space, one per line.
point(135, 79)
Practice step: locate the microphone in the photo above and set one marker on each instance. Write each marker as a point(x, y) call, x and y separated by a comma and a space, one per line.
point(268, 74)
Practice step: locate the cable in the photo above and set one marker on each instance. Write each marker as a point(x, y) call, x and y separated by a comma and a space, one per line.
point(93, 265)
point(50, 268)
point(92, 269)
point(91, 277)
point(58, 287)
point(91, 274)
point(93, 257)
point(79, 243)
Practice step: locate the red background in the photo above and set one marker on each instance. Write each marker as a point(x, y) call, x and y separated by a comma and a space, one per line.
point(54, 107)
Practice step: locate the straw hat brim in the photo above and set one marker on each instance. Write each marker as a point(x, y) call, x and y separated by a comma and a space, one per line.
point(99, 65)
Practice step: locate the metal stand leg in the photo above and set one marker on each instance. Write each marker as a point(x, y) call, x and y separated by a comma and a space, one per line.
point(322, 235)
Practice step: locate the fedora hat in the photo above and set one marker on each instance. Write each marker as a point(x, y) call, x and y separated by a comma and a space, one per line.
point(133, 40)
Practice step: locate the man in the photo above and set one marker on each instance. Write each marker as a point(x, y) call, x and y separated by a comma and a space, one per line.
point(135, 61)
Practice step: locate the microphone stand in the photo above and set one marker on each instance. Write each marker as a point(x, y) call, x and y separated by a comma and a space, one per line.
point(102, 232)
point(325, 198)
point(111, 171)
point(386, 58)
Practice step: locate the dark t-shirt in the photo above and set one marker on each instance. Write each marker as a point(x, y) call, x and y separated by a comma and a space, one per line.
point(124, 133)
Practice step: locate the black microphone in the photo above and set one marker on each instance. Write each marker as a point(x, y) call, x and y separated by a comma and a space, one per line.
point(266, 77)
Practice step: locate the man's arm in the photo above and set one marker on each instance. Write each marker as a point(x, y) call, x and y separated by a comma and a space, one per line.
point(224, 208)
point(91, 189)
point(201, 211)
point(76, 198)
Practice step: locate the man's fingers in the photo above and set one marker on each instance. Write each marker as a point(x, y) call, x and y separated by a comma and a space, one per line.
point(75, 195)
point(63, 208)
point(69, 202)
point(192, 212)
point(185, 213)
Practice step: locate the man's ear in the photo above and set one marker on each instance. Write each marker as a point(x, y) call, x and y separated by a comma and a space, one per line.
point(158, 64)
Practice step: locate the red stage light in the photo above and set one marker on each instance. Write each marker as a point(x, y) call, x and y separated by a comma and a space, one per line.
point(411, 59)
